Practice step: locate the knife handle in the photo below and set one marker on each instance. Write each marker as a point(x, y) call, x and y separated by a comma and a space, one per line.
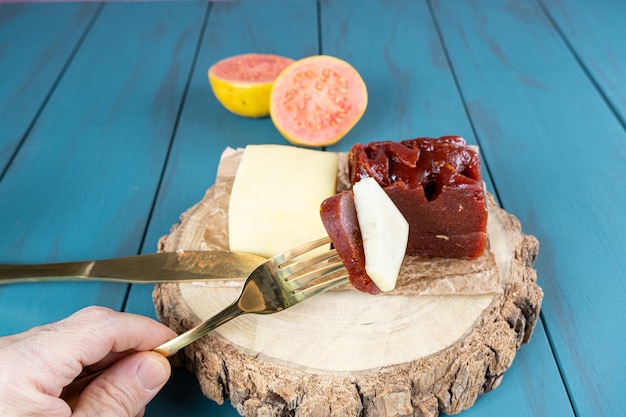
point(67, 271)
point(182, 266)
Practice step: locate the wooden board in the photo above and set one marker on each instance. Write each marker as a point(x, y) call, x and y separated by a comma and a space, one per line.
point(345, 351)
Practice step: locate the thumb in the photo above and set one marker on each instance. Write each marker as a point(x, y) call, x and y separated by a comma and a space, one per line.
point(125, 388)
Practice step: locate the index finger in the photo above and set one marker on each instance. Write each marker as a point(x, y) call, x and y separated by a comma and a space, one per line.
point(59, 351)
point(101, 331)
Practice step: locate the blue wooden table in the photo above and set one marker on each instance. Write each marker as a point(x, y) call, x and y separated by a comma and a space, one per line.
point(109, 131)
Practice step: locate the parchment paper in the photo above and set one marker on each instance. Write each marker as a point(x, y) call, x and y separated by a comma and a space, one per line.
point(205, 227)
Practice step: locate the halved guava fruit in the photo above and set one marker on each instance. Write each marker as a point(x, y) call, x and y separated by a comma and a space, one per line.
point(317, 100)
point(242, 83)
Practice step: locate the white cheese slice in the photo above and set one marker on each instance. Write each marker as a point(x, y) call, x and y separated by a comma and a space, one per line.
point(276, 197)
point(384, 230)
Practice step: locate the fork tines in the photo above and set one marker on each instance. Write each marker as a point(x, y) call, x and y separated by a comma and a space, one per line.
point(313, 273)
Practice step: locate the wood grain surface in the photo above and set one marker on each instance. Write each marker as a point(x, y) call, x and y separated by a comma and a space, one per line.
point(348, 353)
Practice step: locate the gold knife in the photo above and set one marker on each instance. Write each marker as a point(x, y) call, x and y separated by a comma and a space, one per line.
point(180, 266)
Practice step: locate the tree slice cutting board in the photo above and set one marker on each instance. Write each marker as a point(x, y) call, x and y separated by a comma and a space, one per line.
point(346, 353)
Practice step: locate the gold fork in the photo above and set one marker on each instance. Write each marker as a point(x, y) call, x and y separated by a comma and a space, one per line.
point(277, 284)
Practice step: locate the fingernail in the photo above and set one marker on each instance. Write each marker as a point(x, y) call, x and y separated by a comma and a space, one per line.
point(151, 373)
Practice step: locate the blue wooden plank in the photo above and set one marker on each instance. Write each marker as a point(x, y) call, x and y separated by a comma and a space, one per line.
point(83, 183)
point(557, 154)
point(413, 93)
point(205, 129)
point(596, 33)
point(181, 397)
point(411, 89)
point(36, 41)
point(23, 306)
point(528, 387)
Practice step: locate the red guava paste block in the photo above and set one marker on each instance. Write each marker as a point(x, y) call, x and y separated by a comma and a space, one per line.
point(437, 185)
point(339, 218)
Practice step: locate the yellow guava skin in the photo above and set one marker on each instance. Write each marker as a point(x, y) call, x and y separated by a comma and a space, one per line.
point(246, 100)
point(243, 83)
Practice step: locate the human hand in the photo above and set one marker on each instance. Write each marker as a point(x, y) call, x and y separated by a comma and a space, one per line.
point(36, 365)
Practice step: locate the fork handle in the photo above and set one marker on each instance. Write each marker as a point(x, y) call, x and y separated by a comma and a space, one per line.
point(172, 346)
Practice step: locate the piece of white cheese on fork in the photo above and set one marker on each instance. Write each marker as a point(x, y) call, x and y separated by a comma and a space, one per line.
point(275, 200)
point(384, 230)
